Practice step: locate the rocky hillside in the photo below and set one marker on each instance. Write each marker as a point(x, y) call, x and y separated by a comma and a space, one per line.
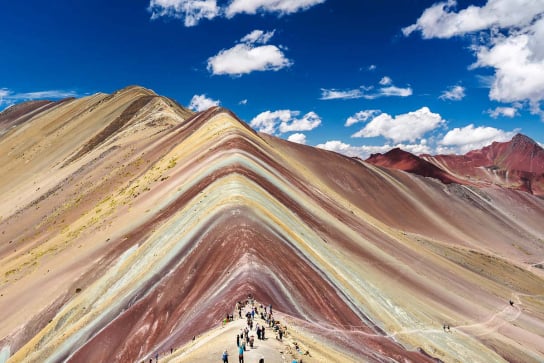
point(129, 224)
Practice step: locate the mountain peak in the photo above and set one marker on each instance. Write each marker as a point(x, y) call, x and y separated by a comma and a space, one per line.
point(519, 137)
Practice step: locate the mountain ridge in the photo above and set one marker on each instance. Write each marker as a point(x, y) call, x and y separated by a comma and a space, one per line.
point(150, 236)
point(516, 164)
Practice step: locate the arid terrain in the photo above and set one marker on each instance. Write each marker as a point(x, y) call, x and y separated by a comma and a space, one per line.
point(129, 224)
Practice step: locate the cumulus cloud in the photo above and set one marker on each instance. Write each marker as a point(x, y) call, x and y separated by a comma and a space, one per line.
point(405, 127)
point(285, 121)
point(385, 81)
point(191, 11)
point(361, 116)
point(387, 89)
point(440, 21)
point(465, 139)
point(518, 61)
point(454, 93)
point(202, 103)
point(372, 67)
point(307, 122)
point(9, 97)
point(364, 151)
point(298, 138)
point(351, 150)
point(417, 149)
point(247, 57)
point(513, 44)
point(272, 6)
point(505, 111)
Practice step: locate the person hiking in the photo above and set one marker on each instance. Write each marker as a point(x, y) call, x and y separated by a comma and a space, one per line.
point(237, 340)
point(240, 355)
point(225, 357)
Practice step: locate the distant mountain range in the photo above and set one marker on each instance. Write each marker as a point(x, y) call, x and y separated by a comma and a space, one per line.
point(130, 225)
point(517, 164)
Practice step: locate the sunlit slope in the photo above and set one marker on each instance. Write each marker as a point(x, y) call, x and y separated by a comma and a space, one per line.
point(136, 225)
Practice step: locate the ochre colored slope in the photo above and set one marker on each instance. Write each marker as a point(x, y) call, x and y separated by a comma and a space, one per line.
point(130, 225)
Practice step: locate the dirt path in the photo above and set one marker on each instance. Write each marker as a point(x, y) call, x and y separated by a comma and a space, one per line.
point(210, 346)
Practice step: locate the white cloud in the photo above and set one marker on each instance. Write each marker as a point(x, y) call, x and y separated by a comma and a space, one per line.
point(284, 121)
point(372, 67)
point(298, 138)
point(409, 126)
point(504, 111)
point(245, 57)
point(465, 139)
point(439, 21)
point(367, 92)
point(4, 92)
point(202, 103)
point(308, 122)
point(8, 97)
point(243, 102)
point(518, 61)
point(364, 151)
point(485, 81)
point(416, 149)
point(361, 116)
point(334, 94)
point(513, 45)
point(386, 81)
point(268, 121)
point(351, 150)
point(392, 91)
point(192, 11)
point(258, 37)
point(273, 6)
point(454, 93)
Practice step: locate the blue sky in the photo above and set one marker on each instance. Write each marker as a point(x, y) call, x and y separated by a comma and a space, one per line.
point(356, 77)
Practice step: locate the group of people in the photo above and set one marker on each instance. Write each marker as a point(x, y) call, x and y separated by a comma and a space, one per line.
point(244, 338)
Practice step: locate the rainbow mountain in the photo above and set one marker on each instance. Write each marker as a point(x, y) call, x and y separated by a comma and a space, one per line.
point(129, 224)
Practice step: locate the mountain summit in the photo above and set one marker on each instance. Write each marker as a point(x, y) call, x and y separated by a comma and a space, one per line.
point(130, 227)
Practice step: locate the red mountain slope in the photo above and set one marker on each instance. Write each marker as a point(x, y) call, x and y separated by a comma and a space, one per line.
point(517, 164)
point(403, 160)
